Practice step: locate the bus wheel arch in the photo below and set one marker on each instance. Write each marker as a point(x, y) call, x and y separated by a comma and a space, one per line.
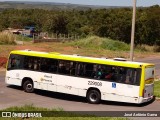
point(27, 84)
point(93, 95)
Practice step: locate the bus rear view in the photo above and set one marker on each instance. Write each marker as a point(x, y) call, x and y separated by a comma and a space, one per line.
point(147, 85)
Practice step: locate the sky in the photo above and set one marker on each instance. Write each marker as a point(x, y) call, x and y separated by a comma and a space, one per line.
point(101, 2)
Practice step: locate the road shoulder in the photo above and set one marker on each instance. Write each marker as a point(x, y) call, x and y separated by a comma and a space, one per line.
point(2, 71)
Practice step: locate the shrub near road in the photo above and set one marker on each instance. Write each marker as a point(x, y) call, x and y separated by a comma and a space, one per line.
point(6, 38)
point(101, 43)
point(157, 88)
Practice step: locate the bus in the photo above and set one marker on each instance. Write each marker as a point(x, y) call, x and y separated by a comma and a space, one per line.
point(94, 78)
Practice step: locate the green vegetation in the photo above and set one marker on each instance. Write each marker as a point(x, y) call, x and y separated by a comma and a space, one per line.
point(23, 38)
point(100, 43)
point(58, 114)
point(91, 46)
point(109, 23)
point(6, 38)
point(27, 108)
point(157, 89)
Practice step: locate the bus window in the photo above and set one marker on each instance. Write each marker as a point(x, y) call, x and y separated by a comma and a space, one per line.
point(26, 61)
point(111, 73)
point(44, 65)
point(108, 75)
point(36, 64)
point(53, 65)
point(72, 68)
point(122, 75)
point(119, 74)
point(66, 67)
point(95, 68)
point(67, 64)
point(133, 76)
point(88, 70)
point(31, 63)
point(15, 62)
point(80, 69)
point(98, 71)
point(61, 67)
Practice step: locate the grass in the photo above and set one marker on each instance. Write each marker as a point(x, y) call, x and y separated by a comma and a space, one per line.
point(23, 38)
point(90, 46)
point(105, 47)
point(101, 43)
point(157, 89)
point(58, 114)
point(7, 38)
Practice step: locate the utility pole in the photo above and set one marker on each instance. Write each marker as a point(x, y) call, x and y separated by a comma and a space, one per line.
point(133, 31)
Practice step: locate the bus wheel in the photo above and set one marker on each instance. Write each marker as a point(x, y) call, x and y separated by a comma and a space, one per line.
point(93, 96)
point(28, 86)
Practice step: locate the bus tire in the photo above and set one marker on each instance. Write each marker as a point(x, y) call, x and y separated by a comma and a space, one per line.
point(93, 96)
point(28, 86)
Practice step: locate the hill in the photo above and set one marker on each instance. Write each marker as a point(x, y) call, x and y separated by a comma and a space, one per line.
point(47, 5)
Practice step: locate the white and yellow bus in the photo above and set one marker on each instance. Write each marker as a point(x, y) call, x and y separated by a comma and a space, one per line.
point(94, 78)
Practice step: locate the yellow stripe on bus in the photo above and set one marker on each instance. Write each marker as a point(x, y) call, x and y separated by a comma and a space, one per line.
point(142, 82)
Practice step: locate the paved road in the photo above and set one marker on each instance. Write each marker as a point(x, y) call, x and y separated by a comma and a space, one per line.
point(153, 59)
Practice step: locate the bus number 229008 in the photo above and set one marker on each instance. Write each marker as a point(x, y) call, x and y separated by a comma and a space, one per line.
point(94, 83)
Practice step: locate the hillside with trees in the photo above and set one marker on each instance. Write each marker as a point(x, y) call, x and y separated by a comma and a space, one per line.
point(110, 23)
point(48, 5)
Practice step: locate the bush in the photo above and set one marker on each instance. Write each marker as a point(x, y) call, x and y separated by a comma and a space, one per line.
point(7, 38)
point(156, 49)
point(142, 48)
point(101, 43)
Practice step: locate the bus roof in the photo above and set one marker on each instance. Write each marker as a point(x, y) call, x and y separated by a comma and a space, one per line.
point(114, 62)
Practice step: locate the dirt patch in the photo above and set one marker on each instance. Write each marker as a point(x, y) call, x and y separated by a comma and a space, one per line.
point(4, 54)
point(3, 61)
point(29, 47)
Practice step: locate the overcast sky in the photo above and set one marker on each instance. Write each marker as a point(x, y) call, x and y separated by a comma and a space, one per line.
point(101, 2)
